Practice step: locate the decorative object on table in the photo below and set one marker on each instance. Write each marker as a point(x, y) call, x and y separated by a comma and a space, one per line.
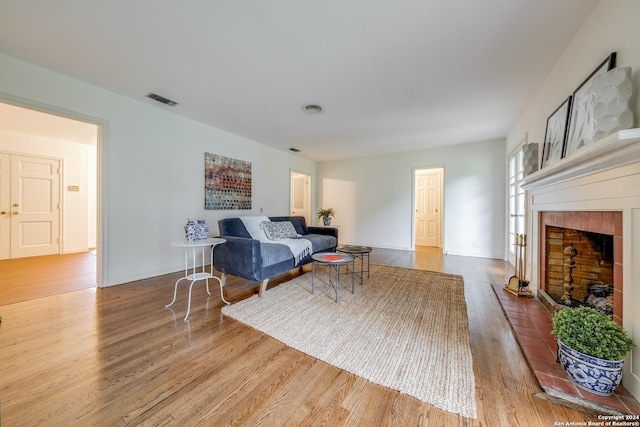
point(326, 215)
point(581, 120)
point(190, 230)
point(556, 134)
point(202, 230)
point(611, 111)
point(530, 158)
point(591, 348)
point(227, 183)
point(412, 337)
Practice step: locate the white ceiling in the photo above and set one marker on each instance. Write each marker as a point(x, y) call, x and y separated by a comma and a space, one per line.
point(391, 75)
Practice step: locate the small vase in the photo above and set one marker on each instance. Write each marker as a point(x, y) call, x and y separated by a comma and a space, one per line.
point(326, 221)
point(202, 230)
point(190, 231)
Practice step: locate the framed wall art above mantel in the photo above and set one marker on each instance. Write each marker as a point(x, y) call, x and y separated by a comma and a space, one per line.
point(556, 134)
point(581, 121)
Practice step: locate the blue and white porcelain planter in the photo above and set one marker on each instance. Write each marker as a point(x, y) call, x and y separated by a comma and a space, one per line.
point(597, 376)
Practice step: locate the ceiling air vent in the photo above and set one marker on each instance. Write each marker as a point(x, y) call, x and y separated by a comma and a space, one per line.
point(162, 99)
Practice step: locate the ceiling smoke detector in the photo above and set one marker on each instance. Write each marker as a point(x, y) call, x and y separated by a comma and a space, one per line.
point(162, 99)
point(312, 109)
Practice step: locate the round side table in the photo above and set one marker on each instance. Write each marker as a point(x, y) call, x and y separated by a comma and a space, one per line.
point(191, 248)
point(333, 260)
point(358, 252)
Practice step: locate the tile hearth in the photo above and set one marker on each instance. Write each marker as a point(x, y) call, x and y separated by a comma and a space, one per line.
point(531, 324)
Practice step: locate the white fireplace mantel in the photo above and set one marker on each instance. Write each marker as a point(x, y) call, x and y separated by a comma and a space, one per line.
point(616, 150)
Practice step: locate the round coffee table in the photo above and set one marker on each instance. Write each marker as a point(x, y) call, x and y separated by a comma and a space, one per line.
point(333, 260)
point(360, 252)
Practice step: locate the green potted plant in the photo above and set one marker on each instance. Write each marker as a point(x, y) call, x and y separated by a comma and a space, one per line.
point(591, 348)
point(326, 215)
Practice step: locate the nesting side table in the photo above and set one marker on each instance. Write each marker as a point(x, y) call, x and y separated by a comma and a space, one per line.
point(191, 250)
point(333, 260)
point(358, 252)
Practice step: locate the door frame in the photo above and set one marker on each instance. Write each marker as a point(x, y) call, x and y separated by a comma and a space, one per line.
point(443, 193)
point(293, 172)
point(101, 172)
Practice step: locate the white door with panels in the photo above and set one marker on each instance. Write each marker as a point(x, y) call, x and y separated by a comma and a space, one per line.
point(428, 193)
point(29, 206)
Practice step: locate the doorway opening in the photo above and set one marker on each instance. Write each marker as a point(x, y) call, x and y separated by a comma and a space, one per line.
point(300, 198)
point(42, 152)
point(428, 207)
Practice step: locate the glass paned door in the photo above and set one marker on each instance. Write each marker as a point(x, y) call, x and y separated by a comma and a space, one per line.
point(516, 202)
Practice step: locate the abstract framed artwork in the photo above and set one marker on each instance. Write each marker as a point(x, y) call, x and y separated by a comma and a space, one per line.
point(581, 123)
point(227, 183)
point(556, 133)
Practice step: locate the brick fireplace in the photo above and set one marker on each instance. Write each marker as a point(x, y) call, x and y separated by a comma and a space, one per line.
point(596, 190)
point(597, 238)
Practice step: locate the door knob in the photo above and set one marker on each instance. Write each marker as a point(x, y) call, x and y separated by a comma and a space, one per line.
point(3, 213)
point(15, 205)
point(14, 213)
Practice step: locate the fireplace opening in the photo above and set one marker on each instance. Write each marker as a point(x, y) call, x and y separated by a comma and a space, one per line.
point(580, 268)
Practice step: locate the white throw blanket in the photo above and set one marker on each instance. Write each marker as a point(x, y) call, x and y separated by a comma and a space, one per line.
point(299, 248)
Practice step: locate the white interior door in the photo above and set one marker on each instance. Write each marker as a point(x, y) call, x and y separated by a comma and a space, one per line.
point(428, 191)
point(5, 206)
point(300, 196)
point(35, 206)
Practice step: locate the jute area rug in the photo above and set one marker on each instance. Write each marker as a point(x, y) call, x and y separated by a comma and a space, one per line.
point(404, 329)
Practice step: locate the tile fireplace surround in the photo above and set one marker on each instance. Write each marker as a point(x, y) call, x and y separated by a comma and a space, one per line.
point(597, 184)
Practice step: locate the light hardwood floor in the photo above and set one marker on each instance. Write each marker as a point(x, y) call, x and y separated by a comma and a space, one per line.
point(24, 279)
point(116, 357)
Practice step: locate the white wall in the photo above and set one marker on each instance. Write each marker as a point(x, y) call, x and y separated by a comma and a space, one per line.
point(611, 27)
point(75, 159)
point(152, 168)
point(373, 197)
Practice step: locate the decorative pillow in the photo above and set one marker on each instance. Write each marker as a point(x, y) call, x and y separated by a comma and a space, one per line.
point(279, 230)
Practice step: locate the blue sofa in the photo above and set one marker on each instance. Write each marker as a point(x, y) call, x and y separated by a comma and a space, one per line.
point(252, 259)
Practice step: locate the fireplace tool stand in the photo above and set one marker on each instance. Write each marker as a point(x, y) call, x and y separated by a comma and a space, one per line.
point(518, 285)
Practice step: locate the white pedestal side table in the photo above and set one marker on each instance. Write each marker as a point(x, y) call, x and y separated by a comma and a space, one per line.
point(191, 248)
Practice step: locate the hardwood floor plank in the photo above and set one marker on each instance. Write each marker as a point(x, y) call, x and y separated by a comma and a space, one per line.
point(117, 357)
